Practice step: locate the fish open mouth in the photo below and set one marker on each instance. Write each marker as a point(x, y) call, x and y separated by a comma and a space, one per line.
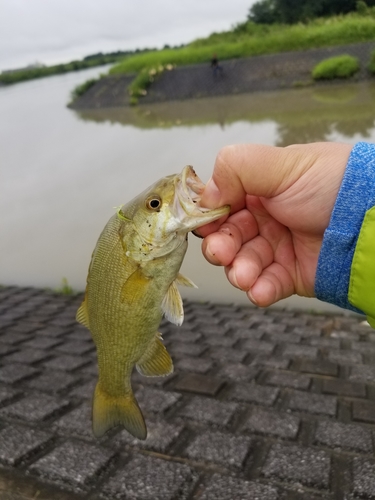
point(187, 208)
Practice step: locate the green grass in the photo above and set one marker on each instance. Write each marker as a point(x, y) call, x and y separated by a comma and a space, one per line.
point(84, 87)
point(65, 288)
point(371, 66)
point(343, 66)
point(143, 80)
point(249, 39)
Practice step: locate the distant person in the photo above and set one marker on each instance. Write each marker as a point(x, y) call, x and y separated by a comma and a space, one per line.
point(216, 68)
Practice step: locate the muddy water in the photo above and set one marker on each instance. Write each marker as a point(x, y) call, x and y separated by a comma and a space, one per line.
point(62, 172)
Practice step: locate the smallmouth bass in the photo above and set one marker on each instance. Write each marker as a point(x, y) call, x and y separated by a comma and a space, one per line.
point(132, 281)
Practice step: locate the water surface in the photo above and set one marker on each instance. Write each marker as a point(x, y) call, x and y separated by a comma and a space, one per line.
point(62, 172)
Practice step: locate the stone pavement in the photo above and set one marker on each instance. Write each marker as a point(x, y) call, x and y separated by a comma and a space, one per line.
point(263, 404)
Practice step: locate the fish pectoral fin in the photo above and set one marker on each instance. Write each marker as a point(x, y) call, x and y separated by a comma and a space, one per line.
point(109, 411)
point(183, 280)
point(82, 315)
point(134, 287)
point(172, 305)
point(156, 361)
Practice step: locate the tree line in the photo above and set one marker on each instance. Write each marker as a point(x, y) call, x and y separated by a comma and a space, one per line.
point(294, 11)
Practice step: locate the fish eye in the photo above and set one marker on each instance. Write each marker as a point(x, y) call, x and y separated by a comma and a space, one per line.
point(153, 203)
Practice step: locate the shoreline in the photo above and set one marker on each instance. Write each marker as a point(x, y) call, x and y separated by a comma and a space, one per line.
point(239, 76)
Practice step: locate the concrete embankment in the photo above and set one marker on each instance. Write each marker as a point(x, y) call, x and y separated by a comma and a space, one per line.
point(238, 76)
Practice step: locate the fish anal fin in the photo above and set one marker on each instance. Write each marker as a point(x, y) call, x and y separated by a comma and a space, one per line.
point(156, 361)
point(134, 287)
point(82, 315)
point(172, 305)
point(109, 411)
point(183, 280)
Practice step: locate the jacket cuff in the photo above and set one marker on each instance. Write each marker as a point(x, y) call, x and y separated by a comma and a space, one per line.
point(355, 197)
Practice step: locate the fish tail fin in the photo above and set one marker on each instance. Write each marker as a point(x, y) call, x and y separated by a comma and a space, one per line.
point(109, 411)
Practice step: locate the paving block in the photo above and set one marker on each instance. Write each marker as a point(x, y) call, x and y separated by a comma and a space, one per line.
point(363, 478)
point(344, 357)
point(259, 346)
point(319, 367)
point(227, 355)
point(238, 372)
point(350, 436)
point(73, 463)
point(155, 400)
point(344, 388)
point(362, 373)
point(76, 347)
point(220, 448)
point(27, 356)
point(6, 349)
point(18, 443)
point(66, 362)
point(52, 331)
point(52, 381)
point(77, 422)
point(289, 379)
point(247, 334)
point(300, 351)
point(186, 348)
point(363, 347)
point(13, 337)
point(313, 403)
point(195, 365)
point(161, 435)
point(284, 338)
point(253, 393)
point(274, 423)
point(186, 336)
point(295, 464)
point(225, 487)
point(41, 342)
point(199, 384)
point(209, 410)
point(15, 372)
point(220, 341)
point(34, 407)
point(364, 411)
point(7, 394)
point(85, 391)
point(325, 342)
point(150, 478)
point(271, 362)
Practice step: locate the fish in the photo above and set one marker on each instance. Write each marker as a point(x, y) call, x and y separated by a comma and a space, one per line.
point(132, 282)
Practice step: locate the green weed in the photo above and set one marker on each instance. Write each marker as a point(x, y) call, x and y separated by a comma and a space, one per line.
point(343, 66)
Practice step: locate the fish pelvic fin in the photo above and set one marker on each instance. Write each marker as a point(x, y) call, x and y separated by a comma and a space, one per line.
point(82, 315)
point(156, 361)
point(109, 411)
point(183, 280)
point(172, 305)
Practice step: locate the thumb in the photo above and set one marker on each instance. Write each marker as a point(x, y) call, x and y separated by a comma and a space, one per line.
point(253, 169)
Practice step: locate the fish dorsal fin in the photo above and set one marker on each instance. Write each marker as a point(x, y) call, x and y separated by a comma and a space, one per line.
point(183, 280)
point(172, 306)
point(134, 287)
point(82, 315)
point(155, 362)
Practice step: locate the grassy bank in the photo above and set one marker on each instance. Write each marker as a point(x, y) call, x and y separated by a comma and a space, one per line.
point(249, 39)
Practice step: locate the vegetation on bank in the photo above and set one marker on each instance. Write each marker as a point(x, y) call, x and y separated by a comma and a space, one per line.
point(250, 39)
point(143, 80)
point(371, 66)
point(30, 73)
point(343, 66)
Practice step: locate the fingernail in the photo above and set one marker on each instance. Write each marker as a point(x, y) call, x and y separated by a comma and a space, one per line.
point(211, 195)
point(251, 297)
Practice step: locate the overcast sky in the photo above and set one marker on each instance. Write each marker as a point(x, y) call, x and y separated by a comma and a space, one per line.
point(52, 31)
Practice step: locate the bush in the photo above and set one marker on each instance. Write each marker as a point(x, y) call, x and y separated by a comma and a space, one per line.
point(343, 66)
point(371, 66)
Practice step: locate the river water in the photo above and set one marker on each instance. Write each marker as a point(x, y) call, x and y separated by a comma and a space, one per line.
point(63, 171)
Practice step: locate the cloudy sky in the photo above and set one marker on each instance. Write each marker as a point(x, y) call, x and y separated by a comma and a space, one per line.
point(52, 31)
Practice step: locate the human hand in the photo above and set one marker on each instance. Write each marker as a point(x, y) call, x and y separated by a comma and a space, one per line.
point(281, 202)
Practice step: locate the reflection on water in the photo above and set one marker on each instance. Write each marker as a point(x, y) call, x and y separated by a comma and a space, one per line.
point(63, 172)
point(304, 115)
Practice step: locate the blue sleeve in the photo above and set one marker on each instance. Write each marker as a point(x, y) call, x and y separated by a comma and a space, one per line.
point(355, 197)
